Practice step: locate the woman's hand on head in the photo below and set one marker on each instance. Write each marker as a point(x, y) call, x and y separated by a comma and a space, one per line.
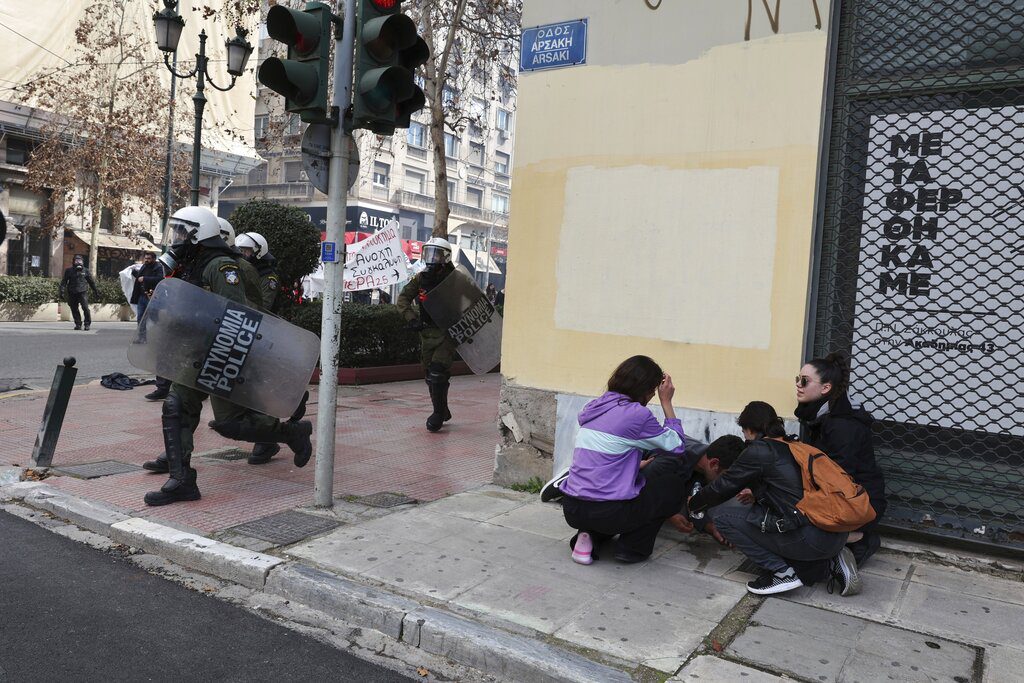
point(666, 390)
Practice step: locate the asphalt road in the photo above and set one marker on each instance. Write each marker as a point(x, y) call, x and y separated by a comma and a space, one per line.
point(29, 352)
point(69, 612)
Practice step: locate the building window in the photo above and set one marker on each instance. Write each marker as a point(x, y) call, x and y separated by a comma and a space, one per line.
point(499, 203)
point(415, 181)
point(475, 197)
point(293, 172)
point(17, 152)
point(451, 190)
point(504, 121)
point(501, 163)
point(294, 126)
point(449, 96)
point(451, 146)
point(260, 126)
point(419, 80)
point(476, 154)
point(416, 135)
point(381, 174)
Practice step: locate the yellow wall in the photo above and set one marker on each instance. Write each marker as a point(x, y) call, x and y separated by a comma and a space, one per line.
point(663, 200)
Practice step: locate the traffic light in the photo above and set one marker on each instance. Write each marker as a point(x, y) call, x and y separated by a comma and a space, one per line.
point(302, 77)
point(388, 51)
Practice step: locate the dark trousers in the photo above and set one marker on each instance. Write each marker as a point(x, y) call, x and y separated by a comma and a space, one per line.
point(76, 300)
point(807, 549)
point(636, 521)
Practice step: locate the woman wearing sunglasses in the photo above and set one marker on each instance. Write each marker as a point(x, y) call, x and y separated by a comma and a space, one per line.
point(843, 432)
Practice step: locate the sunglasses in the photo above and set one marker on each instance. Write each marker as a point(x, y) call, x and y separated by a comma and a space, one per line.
point(802, 381)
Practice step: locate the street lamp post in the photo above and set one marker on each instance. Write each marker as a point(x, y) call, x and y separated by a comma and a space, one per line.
point(169, 25)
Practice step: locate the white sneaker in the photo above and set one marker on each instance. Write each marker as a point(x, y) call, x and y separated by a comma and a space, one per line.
point(771, 583)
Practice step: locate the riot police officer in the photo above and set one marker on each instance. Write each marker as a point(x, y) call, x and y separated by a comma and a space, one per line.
point(254, 247)
point(199, 255)
point(437, 350)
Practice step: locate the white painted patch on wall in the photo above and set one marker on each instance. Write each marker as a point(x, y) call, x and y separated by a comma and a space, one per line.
point(648, 251)
point(702, 425)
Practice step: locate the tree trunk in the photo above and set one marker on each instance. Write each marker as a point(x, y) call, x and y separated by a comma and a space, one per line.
point(435, 95)
point(97, 215)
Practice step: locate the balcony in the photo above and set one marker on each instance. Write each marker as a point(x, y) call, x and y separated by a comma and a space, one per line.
point(405, 198)
point(269, 191)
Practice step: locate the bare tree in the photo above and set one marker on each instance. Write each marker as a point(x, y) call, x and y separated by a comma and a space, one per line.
point(105, 136)
point(472, 42)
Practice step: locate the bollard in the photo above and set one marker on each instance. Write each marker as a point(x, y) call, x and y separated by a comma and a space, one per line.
point(53, 415)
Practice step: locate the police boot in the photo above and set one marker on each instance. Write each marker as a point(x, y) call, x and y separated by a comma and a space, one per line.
point(437, 381)
point(157, 466)
point(295, 434)
point(264, 451)
point(181, 485)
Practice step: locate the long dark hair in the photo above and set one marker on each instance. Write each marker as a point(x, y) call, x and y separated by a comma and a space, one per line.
point(833, 369)
point(636, 377)
point(760, 417)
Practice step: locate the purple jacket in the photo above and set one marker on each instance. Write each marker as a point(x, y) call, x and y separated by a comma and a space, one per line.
point(614, 430)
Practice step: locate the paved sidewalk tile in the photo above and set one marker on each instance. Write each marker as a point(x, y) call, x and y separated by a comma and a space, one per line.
point(816, 644)
point(706, 669)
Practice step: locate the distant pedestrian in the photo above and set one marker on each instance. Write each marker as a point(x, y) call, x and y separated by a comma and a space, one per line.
point(492, 293)
point(75, 285)
point(145, 279)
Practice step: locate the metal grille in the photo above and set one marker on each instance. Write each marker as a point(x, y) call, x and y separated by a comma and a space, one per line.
point(922, 254)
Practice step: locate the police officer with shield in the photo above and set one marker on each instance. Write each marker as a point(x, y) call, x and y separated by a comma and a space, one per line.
point(437, 350)
point(256, 251)
point(199, 255)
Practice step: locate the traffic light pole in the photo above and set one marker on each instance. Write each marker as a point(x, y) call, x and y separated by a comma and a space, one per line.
point(337, 201)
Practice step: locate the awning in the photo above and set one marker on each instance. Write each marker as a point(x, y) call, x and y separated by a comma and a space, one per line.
point(105, 240)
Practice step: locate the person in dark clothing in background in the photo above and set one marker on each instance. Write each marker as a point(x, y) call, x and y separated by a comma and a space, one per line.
point(145, 279)
point(715, 459)
point(75, 285)
point(843, 433)
point(771, 531)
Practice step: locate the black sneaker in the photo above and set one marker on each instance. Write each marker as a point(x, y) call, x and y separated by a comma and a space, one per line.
point(844, 574)
point(771, 583)
point(553, 489)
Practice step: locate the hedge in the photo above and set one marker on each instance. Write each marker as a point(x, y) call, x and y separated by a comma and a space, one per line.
point(36, 291)
point(371, 336)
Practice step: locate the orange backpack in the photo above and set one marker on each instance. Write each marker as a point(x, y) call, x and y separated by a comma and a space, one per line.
point(832, 500)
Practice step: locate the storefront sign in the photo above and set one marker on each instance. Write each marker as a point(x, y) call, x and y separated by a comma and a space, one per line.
point(939, 311)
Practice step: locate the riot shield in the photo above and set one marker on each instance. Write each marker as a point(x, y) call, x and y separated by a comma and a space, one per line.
point(207, 342)
point(459, 307)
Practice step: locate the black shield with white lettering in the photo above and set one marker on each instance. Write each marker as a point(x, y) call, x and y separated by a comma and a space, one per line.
point(459, 307)
point(212, 344)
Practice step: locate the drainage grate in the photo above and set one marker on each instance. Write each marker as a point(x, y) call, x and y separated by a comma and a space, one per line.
point(224, 454)
point(103, 468)
point(285, 528)
point(385, 500)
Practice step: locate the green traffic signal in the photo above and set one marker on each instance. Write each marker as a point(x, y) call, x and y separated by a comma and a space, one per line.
point(385, 94)
point(302, 77)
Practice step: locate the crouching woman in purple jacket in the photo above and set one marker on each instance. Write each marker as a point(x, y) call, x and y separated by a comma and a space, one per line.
point(611, 488)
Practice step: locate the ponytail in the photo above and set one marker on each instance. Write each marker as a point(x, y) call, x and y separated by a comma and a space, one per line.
point(761, 417)
point(833, 369)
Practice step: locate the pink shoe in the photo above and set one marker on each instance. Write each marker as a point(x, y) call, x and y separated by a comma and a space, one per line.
point(581, 552)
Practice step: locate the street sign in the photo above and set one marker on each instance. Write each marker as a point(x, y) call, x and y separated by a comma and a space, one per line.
point(553, 45)
point(316, 156)
point(328, 252)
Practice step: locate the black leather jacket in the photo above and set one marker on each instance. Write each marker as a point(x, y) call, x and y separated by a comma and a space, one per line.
point(767, 469)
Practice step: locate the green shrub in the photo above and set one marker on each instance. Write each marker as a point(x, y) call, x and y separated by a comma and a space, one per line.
point(28, 291)
point(110, 291)
point(370, 335)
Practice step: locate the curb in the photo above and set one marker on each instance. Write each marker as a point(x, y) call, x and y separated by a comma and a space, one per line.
point(490, 650)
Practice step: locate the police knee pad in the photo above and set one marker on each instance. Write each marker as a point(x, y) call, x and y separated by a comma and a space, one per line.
point(171, 408)
point(437, 374)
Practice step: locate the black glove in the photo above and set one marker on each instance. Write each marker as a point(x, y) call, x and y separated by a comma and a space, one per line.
point(415, 324)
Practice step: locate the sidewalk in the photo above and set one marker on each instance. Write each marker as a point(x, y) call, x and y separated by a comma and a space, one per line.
point(380, 446)
point(481, 575)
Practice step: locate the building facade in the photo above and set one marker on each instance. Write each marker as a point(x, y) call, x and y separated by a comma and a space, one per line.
point(396, 177)
point(732, 191)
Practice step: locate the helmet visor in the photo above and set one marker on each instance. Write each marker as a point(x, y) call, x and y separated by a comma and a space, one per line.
point(433, 254)
point(179, 231)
